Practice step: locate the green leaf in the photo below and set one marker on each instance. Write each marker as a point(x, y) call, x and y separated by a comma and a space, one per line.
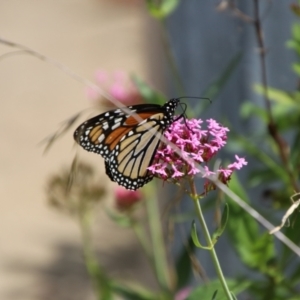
point(102, 283)
point(222, 226)
point(233, 296)
point(296, 32)
point(241, 227)
point(266, 159)
point(292, 232)
point(195, 239)
point(214, 296)
point(184, 264)
point(289, 256)
point(149, 94)
point(296, 68)
point(250, 109)
point(286, 104)
point(194, 235)
point(294, 45)
point(262, 252)
point(208, 291)
point(161, 9)
point(121, 219)
point(132, 291)
point(280, 114)
point(295, 153)
point(277, 96)
point(255, 250)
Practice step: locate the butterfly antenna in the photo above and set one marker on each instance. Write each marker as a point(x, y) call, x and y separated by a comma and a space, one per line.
point(184, 108)
point(191, 97)
point(183, 115)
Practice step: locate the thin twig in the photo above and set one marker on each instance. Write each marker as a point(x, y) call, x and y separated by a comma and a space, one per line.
point(272, 126)
point(282, 146)
point(171, 59)
point(231, 5)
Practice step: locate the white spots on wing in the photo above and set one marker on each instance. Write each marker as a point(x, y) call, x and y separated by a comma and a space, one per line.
point(118, 120)
point(115, 126)
point(101, 138)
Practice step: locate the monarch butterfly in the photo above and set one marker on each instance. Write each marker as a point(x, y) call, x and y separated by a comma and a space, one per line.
point(127, 145)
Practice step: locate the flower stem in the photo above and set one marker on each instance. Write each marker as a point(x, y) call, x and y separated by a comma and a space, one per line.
point(99, 280)
point(208, 240)
point(158, 245)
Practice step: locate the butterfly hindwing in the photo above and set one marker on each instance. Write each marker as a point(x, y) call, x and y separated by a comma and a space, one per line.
point(132, 156)
point(127, 141)
point(108, 171)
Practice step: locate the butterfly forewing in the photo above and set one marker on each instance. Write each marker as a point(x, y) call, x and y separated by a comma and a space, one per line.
point(129, 162)
point(127, 142)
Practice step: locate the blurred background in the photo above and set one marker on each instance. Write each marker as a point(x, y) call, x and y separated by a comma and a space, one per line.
point(40, 252)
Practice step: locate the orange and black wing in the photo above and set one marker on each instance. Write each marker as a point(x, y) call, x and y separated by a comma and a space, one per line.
point(128, 145)
point(134, 153)
point(101, 134)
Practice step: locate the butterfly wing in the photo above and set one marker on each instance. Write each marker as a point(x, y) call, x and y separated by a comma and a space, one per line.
point(100, 134)
point(134, 153)
point(128, 145)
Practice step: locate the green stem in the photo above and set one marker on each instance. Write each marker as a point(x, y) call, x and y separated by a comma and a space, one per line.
point(208, 240)
point(171, 59)
point(99, 280)
point(141, 236)
point(158, 245)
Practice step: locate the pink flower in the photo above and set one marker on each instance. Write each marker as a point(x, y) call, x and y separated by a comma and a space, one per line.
point(183, 293)
point(125, 199)
point(198, 146)
point(239, 164)
point(101, 76)
point(118, 85)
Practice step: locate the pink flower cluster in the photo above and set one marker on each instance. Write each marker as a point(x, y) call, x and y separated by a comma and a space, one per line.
point(197, 146)
point(118, 85)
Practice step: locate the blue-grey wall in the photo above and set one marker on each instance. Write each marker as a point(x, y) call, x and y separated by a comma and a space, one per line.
point(203, 41)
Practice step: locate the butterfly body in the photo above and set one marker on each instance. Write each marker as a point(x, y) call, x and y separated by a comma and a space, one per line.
point(127, 141)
